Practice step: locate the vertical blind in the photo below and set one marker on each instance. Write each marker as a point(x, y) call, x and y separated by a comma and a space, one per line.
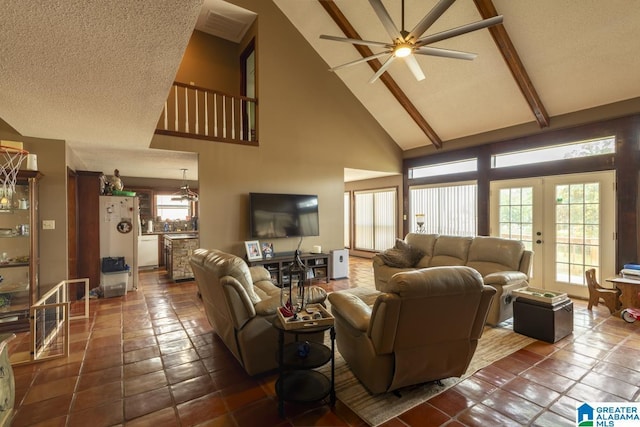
point(448, 209)
point(347, 219)
point(375, 219)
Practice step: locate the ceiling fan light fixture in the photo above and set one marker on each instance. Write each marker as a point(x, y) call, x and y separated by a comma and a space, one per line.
point(185, 192)
point(403, 50)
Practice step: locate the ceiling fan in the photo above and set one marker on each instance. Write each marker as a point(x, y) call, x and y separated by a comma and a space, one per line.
point(404, 44)
point(185, 192)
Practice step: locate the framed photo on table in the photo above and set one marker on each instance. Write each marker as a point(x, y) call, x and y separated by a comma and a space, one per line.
point(253, 250)
point(267, 249)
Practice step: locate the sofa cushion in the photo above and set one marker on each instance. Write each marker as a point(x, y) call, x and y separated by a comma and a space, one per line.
point(450, 251)
point(492, 254)
point(402, 255)
point(424, 242)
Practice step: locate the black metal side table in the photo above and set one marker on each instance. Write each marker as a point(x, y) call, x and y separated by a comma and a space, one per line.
point(298, 380)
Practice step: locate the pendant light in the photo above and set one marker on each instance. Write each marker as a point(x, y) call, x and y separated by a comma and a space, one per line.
point(185, 193)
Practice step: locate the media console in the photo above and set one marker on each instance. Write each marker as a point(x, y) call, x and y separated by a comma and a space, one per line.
point(278, 266)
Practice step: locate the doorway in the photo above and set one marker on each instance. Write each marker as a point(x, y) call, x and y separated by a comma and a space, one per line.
point(567, 220)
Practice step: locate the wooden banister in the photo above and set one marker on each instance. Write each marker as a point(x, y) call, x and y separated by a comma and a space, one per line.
point(197, 112)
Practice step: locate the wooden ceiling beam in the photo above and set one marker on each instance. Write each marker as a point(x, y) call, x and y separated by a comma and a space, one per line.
point(511, 57)
point(338, 17)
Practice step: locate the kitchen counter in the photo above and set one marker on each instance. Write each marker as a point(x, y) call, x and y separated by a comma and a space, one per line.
point(178, 236)
point(160, 233)
point(177, 250)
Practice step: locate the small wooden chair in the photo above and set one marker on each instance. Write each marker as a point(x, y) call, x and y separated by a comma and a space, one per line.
point(610, 297)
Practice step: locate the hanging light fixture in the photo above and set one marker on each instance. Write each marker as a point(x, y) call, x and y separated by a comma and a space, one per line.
point(185, 193)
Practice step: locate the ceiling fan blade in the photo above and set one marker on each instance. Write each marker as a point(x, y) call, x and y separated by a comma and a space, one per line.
point(413, 65)
point(430, 18)
point(445, 53)
point(382, 69)
point(454, 32)
point(358, 61)
point(355, 41)
point(386, 20)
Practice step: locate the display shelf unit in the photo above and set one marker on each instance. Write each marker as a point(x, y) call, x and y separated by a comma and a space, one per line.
point(18, 252)
point(278, 267)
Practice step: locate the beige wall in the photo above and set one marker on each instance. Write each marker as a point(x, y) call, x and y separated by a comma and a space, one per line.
point(211, 62)
point(310, 128)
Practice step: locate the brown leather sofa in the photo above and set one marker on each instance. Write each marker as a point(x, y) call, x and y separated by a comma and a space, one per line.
point(424, 327)
point(240, 303)
point(503, 263)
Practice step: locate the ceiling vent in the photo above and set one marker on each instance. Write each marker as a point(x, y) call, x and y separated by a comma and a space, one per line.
point(224, 27)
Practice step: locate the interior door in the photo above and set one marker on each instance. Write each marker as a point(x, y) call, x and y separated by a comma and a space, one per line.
point(568, 221)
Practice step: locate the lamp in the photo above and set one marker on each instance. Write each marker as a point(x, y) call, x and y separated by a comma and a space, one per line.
point(185, 193)
point(420, 223)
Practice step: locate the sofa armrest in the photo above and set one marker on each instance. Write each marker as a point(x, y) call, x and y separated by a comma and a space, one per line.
point(268, 306)
point(505, 278)
point(259, 273)
point(238, 303)
point(356, 313)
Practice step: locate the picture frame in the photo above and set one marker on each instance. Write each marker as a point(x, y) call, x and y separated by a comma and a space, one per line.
point(267, 249)
point(253, 250)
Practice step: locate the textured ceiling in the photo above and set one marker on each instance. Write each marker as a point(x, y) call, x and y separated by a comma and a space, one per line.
point(578, 54)
point(96, 74)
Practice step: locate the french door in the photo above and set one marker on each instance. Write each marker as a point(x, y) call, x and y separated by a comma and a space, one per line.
point(567, 220)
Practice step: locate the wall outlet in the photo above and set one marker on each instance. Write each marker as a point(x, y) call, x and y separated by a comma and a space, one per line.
point(49, 224)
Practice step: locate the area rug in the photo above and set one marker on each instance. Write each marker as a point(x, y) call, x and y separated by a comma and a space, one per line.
point(495, 344)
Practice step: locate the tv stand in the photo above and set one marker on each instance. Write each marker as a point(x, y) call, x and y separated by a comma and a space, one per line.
point(317, 265)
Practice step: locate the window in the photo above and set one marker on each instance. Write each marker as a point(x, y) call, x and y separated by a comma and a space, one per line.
point(375, 219)
point(594, 147)
point(444, 209)
point(169, 209)
point(469, 165)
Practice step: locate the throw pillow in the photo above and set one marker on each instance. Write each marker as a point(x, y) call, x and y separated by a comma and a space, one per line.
point(402, 255)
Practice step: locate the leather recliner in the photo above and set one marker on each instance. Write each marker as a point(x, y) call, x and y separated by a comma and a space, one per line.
point(424, 326)
point(240, 303)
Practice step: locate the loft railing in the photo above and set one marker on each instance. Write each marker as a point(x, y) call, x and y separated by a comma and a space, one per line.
point(196, 112)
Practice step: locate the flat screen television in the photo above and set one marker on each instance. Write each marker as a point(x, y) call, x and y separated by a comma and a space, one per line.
point(283, 215)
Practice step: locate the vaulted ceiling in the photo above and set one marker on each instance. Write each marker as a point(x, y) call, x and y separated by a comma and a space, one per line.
point(96, 73)
point(546, 59)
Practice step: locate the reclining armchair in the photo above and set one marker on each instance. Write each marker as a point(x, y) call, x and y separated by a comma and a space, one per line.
point(424, 326)
point(240, 303)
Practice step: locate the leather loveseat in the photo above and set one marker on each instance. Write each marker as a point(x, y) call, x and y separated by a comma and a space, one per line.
point(503, 263)
point(240, 303)
point(423, 327)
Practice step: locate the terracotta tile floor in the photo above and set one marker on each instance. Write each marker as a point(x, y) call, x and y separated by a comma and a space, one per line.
point(151, 359)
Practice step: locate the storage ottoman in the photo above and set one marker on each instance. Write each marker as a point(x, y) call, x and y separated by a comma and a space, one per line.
point(543, 321)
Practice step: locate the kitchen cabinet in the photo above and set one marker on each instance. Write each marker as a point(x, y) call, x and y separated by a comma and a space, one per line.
point(19, 252)
point(146, 204)
point(177, 250)
point(88, 189)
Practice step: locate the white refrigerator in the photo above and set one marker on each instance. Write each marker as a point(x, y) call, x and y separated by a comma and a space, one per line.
point(119, 230)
